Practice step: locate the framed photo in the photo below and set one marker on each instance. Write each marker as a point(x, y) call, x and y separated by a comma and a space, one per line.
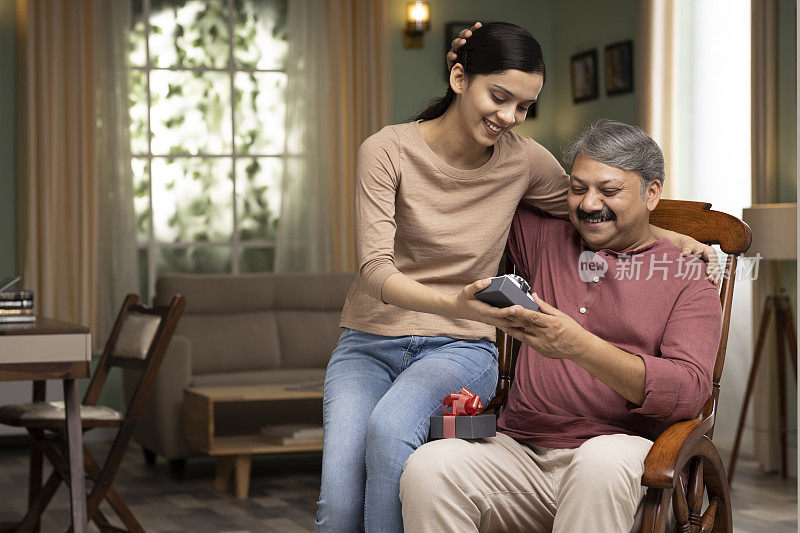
point(583, 69)
point(451, 31)
point(619, 68)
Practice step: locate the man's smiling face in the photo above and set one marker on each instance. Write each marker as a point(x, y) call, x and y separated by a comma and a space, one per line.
point(606, 205)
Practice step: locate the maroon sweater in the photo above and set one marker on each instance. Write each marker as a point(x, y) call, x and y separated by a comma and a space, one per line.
point(672, 321)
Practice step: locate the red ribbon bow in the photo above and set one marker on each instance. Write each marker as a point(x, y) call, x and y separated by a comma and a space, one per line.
point(459, 403)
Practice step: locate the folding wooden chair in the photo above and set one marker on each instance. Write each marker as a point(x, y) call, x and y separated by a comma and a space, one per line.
point(685, 445)
point(139, 339)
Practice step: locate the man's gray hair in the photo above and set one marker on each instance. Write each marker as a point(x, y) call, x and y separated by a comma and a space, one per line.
point(622, 146)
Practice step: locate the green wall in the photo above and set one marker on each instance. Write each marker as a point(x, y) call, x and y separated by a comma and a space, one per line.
point(8, 226)
point(584, 26)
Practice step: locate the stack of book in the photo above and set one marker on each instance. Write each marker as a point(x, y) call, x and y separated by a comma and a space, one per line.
point(293, 434)
point(16, 306)
point(316, 385)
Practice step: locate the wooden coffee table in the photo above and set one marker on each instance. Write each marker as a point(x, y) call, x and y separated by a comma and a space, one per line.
point(235, 452)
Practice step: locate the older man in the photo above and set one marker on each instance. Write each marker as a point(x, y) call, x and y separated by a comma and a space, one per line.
point(623, 345)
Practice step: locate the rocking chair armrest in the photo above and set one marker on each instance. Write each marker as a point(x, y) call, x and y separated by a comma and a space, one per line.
point(671, 450)
point(498, 402)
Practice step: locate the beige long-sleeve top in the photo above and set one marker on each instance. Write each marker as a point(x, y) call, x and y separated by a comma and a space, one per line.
point(441, 226)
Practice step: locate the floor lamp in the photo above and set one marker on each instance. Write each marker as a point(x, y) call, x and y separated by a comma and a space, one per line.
point(774, 228)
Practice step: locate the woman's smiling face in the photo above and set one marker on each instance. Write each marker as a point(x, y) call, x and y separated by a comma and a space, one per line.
point(490, 104)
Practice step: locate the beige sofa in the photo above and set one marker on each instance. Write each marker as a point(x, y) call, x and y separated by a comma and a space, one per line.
point(245, 329)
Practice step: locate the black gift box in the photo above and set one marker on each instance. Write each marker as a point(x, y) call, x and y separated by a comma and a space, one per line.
point(503, 292)
point(467, 427)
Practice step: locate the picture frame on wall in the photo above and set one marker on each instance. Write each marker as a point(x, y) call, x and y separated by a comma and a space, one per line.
point(451, 31)
point(583, 71)
point(619, 68)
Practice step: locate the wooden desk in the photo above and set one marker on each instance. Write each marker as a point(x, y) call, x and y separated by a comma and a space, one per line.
point(52, 349)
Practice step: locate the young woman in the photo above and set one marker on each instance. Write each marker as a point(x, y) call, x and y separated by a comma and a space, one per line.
point(434, 203)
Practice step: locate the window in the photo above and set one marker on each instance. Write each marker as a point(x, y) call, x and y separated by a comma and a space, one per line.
point(208, 114)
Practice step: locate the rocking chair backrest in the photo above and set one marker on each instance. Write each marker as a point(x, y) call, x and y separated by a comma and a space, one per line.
point(695, 219)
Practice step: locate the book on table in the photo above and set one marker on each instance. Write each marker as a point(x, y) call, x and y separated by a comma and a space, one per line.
point(17, 306)
point(285, 434)
point(314, 385)
point(7, 319)
point(16, 295)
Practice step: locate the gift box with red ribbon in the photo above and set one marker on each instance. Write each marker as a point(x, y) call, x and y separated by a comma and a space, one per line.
point(462, 419)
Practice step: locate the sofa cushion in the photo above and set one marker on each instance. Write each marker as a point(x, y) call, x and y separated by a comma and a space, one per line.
point(218, 293)
point(258, 321)
point(307, 338)
point(311, 292)
point(259, 377)
point(226, 293)
point(232, 341)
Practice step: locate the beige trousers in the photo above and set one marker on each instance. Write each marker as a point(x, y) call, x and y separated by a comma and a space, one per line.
point(499, 484)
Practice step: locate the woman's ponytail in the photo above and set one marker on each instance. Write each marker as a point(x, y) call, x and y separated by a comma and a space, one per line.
point(437, 107)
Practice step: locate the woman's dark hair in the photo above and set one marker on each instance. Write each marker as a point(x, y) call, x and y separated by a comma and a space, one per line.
point(495, 47)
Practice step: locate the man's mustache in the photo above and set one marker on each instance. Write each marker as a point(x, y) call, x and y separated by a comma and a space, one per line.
point(605, 213)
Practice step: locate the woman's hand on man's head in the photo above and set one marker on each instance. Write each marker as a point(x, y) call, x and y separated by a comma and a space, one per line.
point(458, 42)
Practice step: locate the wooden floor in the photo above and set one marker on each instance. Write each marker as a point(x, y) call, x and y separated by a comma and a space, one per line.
point(763, 503)
point(284, 490)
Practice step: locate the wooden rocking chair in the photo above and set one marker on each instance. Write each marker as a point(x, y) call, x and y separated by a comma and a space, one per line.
point(686, 444)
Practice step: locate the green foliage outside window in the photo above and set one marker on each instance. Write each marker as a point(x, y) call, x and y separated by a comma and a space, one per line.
point(213, 93)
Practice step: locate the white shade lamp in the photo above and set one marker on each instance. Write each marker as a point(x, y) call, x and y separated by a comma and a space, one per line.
point(774, 230)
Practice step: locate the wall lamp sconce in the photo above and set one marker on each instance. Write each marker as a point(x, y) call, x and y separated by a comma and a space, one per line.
point(418, 15)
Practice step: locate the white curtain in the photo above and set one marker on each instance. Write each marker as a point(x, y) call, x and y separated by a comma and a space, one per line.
point(303, 238)
point(77, 242)
point(338, 94)
point(118, 272)
point(656, 78)
point(687, 46)
point(764, 141)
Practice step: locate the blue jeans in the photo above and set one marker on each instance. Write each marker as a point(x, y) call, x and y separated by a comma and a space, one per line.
point(379, 395)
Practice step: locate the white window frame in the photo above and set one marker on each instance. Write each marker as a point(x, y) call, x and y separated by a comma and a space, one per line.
point(236, 246)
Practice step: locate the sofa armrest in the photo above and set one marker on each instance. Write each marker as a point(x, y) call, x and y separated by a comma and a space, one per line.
point(160, 427)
